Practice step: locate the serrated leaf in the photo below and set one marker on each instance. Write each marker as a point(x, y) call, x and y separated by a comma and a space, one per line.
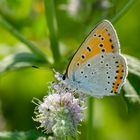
point(130, 92)
point(29, 135)
point(19, 60)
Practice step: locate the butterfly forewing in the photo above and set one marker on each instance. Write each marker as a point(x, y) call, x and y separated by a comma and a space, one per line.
point(101, 39)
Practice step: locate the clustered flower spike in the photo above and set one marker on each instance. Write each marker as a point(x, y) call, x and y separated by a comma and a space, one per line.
point(60, 112)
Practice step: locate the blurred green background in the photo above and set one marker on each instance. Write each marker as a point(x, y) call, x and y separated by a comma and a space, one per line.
point(115, 118)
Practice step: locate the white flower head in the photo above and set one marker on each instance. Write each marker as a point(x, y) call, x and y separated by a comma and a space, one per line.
point(60, 112)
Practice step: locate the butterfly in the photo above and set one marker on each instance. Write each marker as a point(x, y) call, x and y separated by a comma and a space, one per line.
point(97, 68)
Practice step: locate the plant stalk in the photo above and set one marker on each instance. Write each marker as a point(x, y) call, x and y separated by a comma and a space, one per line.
point(52, 27)
point(123, 11)
point(90, 130)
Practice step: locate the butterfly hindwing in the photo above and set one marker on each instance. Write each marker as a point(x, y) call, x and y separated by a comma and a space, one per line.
point(101, 75)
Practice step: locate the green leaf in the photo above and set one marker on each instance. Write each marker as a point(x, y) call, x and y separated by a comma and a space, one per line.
point(29, 135)
point(19, 60)
point(133, 65)
point(130, 92)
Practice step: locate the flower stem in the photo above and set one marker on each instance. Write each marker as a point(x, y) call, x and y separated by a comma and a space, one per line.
point(52, 26)
point(123, 10)
point(22, 38)
point(90, 119)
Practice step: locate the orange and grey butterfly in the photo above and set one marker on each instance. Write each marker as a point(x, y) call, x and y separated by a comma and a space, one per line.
point(99, 52)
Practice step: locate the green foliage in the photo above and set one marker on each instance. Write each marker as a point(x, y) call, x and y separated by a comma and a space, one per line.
point(29, 44)
point(30, 135)
point(18, 61)
point(134, 65)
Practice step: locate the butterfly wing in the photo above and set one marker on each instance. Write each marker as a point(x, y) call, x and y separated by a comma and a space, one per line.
point(102, 38)
point(102, 75)
point(97, 67)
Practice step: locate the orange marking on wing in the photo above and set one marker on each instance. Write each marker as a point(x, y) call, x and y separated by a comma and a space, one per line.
point(99, 30)
point(118, 79)
point(100, 35)
point(93, 43)
point(106, 42)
